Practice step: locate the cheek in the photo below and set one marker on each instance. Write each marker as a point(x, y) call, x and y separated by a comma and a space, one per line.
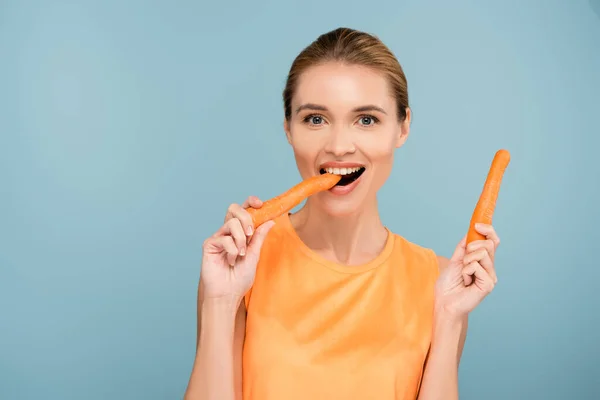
point(383, 164)
point(380, 149)
point(381, 155)
point(305, 151)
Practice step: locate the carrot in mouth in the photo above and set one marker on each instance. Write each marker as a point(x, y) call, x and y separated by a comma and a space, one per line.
point(484, 210)
point(283, 203)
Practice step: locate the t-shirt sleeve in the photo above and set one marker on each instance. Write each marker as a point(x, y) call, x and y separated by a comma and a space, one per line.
point(434, 260)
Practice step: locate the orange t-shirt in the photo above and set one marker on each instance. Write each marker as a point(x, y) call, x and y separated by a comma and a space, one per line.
point(320, 330)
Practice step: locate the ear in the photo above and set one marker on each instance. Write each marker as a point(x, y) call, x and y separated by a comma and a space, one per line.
point(404, 129)
point(286, 128)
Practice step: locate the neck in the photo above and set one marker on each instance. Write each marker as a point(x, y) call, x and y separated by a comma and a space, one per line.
point(352, 239)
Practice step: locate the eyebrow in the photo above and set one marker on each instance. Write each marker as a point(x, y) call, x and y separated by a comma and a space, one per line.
point(316, 107)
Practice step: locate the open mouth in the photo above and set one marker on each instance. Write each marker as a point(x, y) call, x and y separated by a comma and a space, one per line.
point(349, 175)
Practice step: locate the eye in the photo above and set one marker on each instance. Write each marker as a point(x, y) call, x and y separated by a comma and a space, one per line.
point(314, 119)
point(368, 120)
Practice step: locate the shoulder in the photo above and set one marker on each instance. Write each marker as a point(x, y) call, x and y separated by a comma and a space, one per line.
point(276, 234)
point(275, 246)
point(434, 259)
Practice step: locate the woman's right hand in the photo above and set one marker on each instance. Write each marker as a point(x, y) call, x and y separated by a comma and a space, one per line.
point(230, 255)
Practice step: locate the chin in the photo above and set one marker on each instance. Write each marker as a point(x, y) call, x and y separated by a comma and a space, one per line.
point(340, 209)
point(341, 201)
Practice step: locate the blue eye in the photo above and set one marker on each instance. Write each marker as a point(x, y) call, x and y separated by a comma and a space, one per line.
point(368, 120)
point(314, 119)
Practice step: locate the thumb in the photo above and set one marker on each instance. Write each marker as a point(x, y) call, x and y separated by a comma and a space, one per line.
point(259, 237)
point(459, 251)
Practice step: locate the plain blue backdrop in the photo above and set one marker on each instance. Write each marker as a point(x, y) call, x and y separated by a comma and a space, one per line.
point(126, 128)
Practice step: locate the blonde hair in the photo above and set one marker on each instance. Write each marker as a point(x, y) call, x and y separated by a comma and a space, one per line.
point(355, 48)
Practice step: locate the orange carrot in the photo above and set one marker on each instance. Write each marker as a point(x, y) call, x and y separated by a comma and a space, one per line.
point(283, 203)
point(484, 210)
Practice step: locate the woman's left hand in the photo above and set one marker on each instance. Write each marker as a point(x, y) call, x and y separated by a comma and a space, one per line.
point(470, 274)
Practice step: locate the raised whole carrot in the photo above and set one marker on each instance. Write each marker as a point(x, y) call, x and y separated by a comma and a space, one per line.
point(283, 203)
point(484, 210)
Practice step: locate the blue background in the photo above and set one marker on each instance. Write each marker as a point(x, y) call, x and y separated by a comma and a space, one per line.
point(126, 128)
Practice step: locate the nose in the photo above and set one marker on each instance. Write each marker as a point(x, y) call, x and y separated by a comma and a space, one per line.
point(340, 142)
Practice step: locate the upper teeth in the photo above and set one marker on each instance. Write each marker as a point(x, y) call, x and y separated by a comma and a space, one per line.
point(342, 171)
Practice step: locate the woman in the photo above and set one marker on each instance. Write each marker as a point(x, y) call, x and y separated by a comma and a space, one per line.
point(327, 303)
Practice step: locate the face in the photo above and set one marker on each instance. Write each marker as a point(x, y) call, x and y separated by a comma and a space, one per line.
point(344, 120)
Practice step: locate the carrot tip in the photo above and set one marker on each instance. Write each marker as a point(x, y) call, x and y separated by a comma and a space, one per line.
point(484, 210)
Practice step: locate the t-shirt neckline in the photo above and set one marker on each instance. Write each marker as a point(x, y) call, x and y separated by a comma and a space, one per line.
point(347, 269)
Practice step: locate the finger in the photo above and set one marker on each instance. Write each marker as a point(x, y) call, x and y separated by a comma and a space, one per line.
point(239, 237)
point(252, 201)
point(489, 232)
point(483, 257)
point(237, 211)
point(487, 244)
point(475, 274)
point(258, 239)
point(459, 251)
point(476, 255)
point(488, 265)
point(228, 246)
point(233, 228)
point(229, 213)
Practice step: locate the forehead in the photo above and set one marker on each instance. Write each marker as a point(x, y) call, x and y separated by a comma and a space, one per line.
point(342, 85)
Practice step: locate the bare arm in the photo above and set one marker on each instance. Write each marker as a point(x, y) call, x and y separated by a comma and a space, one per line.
point(440, 377)
point(229, 261)
point(217, 370)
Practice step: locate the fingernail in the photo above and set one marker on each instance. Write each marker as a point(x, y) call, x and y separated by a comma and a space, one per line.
point(249, 231)
point(242, 252)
